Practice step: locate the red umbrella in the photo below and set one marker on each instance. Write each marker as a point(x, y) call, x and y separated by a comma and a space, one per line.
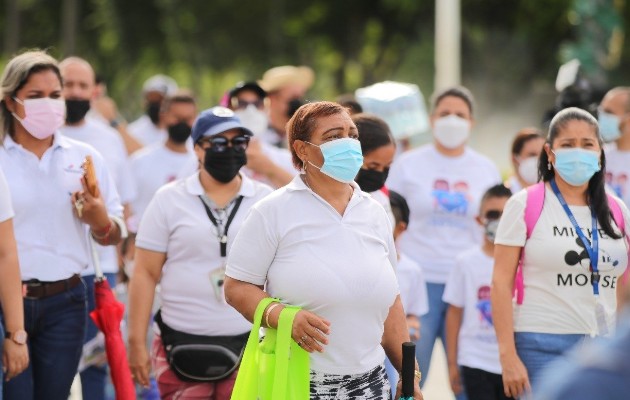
point(107, 315)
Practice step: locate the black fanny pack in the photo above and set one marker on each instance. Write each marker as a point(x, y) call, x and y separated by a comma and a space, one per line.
point(197, 358)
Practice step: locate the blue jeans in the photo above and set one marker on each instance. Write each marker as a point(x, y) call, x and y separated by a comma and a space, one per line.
point(93, 379)
point(433, 325)
point(56, 327)
point(537, 350)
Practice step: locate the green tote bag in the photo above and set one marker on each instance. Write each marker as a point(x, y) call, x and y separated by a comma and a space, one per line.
point(275, 368)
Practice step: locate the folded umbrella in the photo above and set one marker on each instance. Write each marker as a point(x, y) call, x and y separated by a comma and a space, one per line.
point(408, 370)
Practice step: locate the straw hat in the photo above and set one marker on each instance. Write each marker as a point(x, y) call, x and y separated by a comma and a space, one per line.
point(279, 77)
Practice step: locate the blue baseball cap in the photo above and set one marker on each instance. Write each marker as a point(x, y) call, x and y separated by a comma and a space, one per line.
point(216, 120)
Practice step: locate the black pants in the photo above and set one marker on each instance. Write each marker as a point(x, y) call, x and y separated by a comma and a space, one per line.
point(482, 385)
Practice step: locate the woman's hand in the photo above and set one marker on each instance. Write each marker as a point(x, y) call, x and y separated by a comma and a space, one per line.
point(455, 379)
point(14, 359)
point(90, 209)
point(310, 331)
point(139, 363)
point(417, 393)
point(515, 378)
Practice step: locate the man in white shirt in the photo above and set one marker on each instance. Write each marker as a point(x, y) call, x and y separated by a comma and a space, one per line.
point(159, 164)
point(149, 129)
point(78, 90)
point(614, 125)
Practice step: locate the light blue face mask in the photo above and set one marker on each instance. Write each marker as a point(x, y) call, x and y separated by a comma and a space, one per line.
point(608, 126)
point(342, 159)
point(576, 166)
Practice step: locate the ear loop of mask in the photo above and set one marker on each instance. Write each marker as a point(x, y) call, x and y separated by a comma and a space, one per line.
point(308, 161)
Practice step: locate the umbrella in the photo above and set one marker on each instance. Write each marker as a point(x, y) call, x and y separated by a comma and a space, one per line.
point(408, 370)
point(107, 315)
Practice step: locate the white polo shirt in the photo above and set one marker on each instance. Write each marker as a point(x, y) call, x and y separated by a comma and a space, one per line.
point(145, 131)
point(339, 267)
point(6, 209)
point(109, 144)
point(153, 167)
point(176, 223)
point(51, 240)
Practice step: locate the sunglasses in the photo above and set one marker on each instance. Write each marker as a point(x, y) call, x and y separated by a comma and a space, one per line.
point(239, 104)
point(219, 144)
point(493, 214)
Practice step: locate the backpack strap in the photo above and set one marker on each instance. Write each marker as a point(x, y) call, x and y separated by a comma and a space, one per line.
point(533, 209)
point(617, 215)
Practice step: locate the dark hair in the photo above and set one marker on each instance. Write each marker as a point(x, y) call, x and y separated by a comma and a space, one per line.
point(497, 191)
point(596, 191)
point(303, 123)
point(400, 208)
point(455, 91)
point(180, 96)
point(523, 137)
point(351, 103)
point(373, 132)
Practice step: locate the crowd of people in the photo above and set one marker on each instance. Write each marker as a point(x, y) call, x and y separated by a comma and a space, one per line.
point(201, 213)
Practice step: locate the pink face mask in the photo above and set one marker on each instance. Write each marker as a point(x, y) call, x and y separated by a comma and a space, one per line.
point(42, 116)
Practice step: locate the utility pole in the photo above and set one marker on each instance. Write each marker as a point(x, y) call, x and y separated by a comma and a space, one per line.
point(447, 43)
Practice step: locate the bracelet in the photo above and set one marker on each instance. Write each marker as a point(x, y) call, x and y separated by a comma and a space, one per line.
point(103, 235)
point(268, 312)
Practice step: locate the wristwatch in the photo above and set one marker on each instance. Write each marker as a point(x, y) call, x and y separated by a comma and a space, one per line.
point(18, 336)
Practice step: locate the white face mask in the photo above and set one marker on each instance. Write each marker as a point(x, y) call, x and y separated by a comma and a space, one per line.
point(253, 119)
point(451, 131)
point(528, 169)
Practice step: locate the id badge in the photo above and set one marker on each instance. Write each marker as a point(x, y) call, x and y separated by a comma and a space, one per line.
point(217, 279)
point(600, 317)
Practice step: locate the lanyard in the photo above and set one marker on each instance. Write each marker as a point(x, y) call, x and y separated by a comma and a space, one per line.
point(593, 251)
point(222, 232)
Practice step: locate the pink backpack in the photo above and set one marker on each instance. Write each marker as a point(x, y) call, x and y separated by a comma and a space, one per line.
point(533, 208)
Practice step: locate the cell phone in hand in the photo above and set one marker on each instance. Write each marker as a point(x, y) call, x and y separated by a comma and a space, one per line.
point(90, 175)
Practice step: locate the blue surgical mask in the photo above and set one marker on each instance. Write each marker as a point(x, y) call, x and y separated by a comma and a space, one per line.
point(342, 159)
point(576, 166)
point(608, 126)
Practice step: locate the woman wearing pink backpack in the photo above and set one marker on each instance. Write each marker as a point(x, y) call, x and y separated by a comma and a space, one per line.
point(563, 240)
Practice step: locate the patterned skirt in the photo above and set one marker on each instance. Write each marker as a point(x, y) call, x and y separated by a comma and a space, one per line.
point(372, 385)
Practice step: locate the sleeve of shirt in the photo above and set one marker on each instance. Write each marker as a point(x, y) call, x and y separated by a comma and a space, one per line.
point(413, 289)
point(106, 184)
point(512, 230)
point(253, 251)
point(6, 208)
point(153, 231)
point(454, 291)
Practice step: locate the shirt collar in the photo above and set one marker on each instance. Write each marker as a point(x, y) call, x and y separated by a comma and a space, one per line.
point(193, 186)
point(58, 141)
point(298, 184)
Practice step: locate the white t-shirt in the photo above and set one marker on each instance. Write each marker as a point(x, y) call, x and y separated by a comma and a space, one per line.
point(443, 194)
point(558, 294)
point(468, 287)
point(339, 267)
point(413, 288)
point(153, 167)
point(6, 209)
point(109, 144)
point(618, 173)
point(513, 184)
point(383, 200)
point(145, 131)
point(52, 242)
point(176, 223)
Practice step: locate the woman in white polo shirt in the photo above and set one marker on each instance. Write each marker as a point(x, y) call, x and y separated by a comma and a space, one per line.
point(183, 239)
point(14, 352)
point(54, 212)
point(322, 244)
point(572, 261)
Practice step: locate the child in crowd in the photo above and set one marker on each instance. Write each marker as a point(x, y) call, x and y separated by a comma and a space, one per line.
point(470, 337)
point(413, 288)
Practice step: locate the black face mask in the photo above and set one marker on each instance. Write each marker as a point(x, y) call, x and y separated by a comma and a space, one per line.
point(224, 166)
point(179, 132)
point(370, 180)
point(76, 110)
point(153, 111)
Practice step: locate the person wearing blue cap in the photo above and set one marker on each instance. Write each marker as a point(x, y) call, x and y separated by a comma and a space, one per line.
point(183, 240)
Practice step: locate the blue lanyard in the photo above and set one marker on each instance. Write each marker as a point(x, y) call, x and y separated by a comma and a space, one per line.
point(593, 251)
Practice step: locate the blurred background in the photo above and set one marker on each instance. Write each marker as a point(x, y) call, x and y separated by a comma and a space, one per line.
point(506, 51)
